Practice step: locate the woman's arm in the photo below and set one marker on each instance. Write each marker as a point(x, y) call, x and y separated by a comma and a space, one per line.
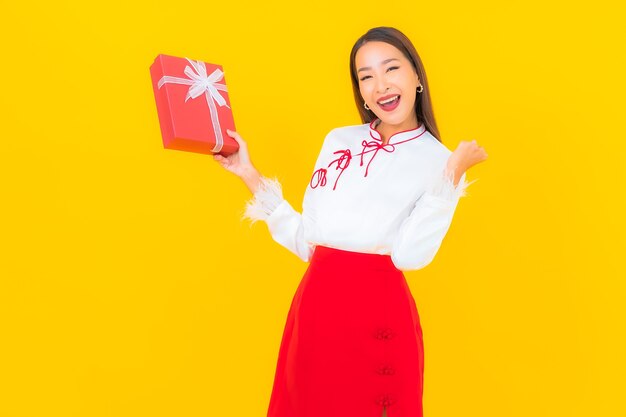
point(285, 224)
point(422, 232)
point(251, 177)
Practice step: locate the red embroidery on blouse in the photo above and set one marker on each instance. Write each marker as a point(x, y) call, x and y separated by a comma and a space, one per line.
point(321, 178)
point(346, 155)
point(376, 147)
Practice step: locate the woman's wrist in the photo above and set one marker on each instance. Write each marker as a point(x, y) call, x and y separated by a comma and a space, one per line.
point(251, 177)
point(454, 171)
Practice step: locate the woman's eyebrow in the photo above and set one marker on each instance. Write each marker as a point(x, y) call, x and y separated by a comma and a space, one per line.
point(382, 63)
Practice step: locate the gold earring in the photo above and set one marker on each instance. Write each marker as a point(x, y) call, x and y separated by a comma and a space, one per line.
point(422, 88)
point(365, 105)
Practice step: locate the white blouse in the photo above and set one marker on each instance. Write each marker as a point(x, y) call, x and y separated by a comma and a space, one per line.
point(364, 196)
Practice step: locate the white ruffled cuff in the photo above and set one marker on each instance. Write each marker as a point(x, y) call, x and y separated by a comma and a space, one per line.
point(265, 200)
point(443, 188)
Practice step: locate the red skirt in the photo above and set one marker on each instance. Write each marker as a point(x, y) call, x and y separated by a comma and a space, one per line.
point(352, 344)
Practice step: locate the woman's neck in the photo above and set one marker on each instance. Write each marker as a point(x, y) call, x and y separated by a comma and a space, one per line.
point(387, 131)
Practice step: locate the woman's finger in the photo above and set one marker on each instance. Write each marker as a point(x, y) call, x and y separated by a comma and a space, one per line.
point(232, 134)
point(235, 136)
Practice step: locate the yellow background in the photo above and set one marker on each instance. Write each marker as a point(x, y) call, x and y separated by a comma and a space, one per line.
point(130, 287)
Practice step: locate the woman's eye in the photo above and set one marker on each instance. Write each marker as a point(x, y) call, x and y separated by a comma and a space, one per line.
point(388, 69)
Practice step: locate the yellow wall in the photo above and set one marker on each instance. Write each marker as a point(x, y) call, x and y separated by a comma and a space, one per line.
point(129, 286)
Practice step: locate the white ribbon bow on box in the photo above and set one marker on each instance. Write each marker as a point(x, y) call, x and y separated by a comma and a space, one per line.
point(201, 83)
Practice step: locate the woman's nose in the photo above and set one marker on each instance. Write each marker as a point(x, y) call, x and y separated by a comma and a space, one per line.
point(382, 86)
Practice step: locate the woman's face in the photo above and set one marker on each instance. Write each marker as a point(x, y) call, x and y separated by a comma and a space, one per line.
point(384, 72)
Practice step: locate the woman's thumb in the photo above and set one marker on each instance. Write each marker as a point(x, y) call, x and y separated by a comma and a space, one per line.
point(237, 137)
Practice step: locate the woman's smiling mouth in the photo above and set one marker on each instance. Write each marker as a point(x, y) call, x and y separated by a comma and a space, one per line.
point(390, 103)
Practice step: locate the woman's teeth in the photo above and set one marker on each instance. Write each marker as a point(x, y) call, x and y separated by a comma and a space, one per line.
point(389, 100)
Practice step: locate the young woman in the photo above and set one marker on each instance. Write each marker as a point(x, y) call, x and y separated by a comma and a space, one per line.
point(380, 200)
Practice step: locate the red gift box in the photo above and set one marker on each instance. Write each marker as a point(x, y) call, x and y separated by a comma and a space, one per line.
point(193, 105)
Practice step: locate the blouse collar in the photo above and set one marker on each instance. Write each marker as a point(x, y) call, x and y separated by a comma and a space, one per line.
point(398, 136)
